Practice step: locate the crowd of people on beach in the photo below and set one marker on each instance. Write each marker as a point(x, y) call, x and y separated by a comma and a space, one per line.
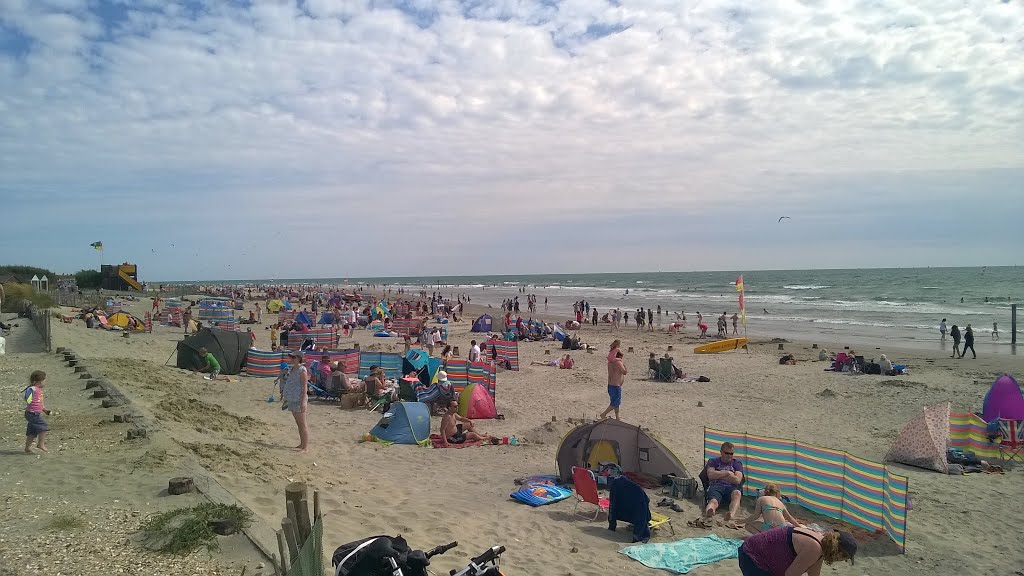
point(779, 542)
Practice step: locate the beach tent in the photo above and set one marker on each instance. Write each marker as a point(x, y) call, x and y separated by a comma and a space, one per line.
point(483, 324)
point(228, 347)
point(922, 442)
point(559, 333)
point(423, 364)
point(475, 403)
point(326, 318)
point(274, 306)
point(1003, 400)
point(122, 319)
point(404, 423)
point(610, 440)
point(303, 318)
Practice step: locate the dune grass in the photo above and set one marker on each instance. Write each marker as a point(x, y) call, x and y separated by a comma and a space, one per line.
point(185, 530)
point(65, 523)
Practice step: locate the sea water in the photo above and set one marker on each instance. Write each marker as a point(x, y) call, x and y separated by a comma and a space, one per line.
point(855, 306)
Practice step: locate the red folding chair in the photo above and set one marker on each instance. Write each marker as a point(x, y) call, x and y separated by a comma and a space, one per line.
point(586, 491)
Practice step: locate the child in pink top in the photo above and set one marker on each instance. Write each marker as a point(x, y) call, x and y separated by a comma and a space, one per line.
point(34, 410)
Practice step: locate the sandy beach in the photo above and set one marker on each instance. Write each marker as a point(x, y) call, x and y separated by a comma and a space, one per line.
point(434, 496)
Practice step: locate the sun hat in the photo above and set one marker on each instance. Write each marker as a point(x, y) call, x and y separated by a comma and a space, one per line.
point(442, 376)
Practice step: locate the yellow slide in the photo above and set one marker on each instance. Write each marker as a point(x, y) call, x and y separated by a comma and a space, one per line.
point(128, 279)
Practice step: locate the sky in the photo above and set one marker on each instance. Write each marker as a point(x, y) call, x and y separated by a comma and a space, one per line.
point(348, 138)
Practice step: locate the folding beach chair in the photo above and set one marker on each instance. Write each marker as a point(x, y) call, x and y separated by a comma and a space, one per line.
point(1011, 440)
point(665, 371)
point(585, 487)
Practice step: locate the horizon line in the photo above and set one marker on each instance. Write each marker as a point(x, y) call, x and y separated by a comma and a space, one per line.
point(357, 278)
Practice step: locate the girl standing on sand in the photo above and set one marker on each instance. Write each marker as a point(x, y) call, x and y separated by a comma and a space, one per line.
point(34, 410)
point(295, 399)
point(954, 333)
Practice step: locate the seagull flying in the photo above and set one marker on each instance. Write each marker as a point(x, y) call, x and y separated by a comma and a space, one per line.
point(781, 218)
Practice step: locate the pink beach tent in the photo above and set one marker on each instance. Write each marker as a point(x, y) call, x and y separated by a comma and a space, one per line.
point(1003, 400)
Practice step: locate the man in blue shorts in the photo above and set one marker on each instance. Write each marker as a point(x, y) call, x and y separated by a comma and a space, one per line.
point(616, 377)
point(725, 475)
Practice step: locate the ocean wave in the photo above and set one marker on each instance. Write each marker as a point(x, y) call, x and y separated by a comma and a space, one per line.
point(806, 287)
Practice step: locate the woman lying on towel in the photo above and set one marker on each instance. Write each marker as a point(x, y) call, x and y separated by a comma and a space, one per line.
point(565, 363)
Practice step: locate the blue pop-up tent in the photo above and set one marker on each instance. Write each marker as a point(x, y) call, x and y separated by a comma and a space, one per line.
point(404, 423)
point(483, 324)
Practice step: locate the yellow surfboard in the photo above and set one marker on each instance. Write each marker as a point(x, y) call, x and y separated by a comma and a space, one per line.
point(721, 346)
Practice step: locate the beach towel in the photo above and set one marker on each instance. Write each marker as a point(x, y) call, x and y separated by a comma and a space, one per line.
point(438, 442)
point(540, 494)
point(684, 555)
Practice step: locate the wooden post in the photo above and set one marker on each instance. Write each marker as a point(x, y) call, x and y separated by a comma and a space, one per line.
point(180, 485)
point(294, 493)
point(289, 534)
point(316, 505)
point(1013, 323)
point(302, 515)
point(280, 550)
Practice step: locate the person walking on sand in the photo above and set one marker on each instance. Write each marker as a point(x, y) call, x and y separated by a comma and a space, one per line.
point(942, 330)
point(995, 331)
point(616, 377)
point(735, 319)
point(968, 342)
point(954, 333)
point(293, 392)
point(37, 427)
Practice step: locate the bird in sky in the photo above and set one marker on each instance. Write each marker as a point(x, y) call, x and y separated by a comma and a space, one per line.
point(781, 218)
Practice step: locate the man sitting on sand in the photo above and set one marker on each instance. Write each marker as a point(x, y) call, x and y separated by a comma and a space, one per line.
point(456, 429)
point(725, 474)
point(211, 365)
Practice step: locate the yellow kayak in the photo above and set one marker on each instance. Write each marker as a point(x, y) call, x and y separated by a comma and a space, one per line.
point(721, 346)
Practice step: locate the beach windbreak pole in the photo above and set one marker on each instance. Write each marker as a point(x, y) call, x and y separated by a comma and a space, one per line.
point(743, 310)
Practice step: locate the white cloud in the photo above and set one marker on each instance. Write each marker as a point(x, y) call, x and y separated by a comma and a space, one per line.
point(499, 112)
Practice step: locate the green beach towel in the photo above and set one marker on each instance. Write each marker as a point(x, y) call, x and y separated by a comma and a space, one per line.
point(681, 556)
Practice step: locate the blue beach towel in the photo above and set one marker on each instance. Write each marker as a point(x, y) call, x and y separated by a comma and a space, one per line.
point(540, 494)
point(681, 556)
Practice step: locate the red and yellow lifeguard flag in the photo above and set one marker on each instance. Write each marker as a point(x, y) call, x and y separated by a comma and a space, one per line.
point(739, 288)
